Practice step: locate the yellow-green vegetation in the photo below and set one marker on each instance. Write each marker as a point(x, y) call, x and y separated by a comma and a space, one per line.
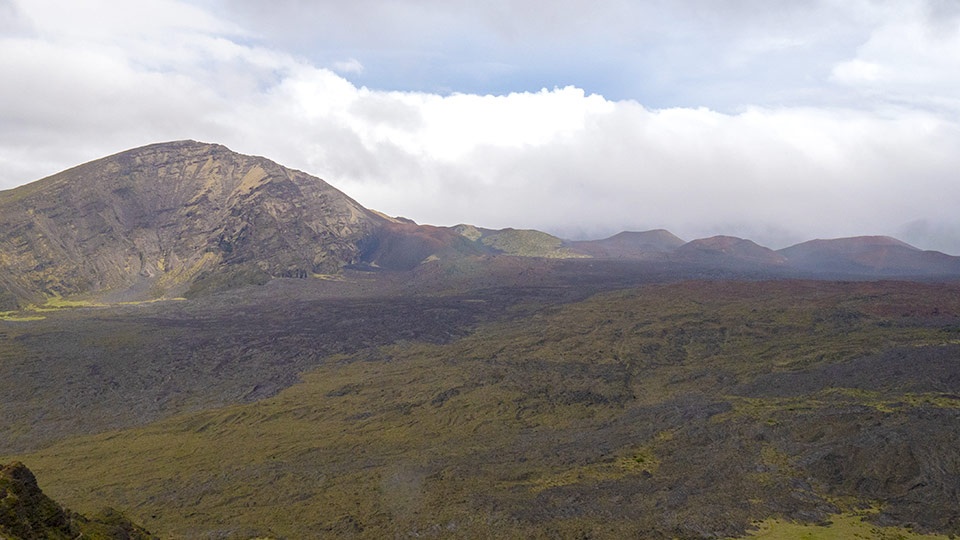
point(57, 303)
point(53, 303)
point(370, 441)
point(17, 316)
point(528, 243)
point(850, 526)
point(684, 410)
point(764, 408)
point(638, 461)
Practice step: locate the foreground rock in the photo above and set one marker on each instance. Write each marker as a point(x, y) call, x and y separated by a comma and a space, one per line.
point(26, 513)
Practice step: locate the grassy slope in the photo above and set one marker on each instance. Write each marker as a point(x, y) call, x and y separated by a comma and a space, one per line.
point(631, 413)
point(529, 243)
point(842, 527)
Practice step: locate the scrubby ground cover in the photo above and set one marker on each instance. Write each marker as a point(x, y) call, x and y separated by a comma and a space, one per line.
point(87, 369)
point(686, 410)
point(850, 526)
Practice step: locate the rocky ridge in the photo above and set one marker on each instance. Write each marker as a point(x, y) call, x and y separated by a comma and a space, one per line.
point(189, 218)
point(27, 513)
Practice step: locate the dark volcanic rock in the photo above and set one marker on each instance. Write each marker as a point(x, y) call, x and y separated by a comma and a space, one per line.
point(907, 460)
point(914, 369)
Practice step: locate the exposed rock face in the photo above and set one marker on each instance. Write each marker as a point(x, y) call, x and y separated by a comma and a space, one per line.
point(155, 220)
point(27, 513)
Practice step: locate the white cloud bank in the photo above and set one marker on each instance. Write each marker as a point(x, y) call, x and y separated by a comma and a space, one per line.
point(82, 85)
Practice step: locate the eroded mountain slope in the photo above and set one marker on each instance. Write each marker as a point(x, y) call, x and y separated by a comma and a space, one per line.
point(154, 221)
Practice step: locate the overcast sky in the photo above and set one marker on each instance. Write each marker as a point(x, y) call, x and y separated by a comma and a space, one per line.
point(776, 120)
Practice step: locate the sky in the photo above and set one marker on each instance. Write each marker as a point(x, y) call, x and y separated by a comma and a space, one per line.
point(775, 120)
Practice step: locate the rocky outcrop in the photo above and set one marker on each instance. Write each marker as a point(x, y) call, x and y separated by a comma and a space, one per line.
point(26, 513)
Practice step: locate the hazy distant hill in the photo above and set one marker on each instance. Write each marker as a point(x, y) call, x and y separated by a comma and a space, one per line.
point(729, 251)
point(872, 255)
point(629, 244)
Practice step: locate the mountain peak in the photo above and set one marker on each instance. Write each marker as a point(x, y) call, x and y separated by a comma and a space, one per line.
point(855, 243)
point(869, 255)
point(154, 221)
point(729, 250)
point(629, 244)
